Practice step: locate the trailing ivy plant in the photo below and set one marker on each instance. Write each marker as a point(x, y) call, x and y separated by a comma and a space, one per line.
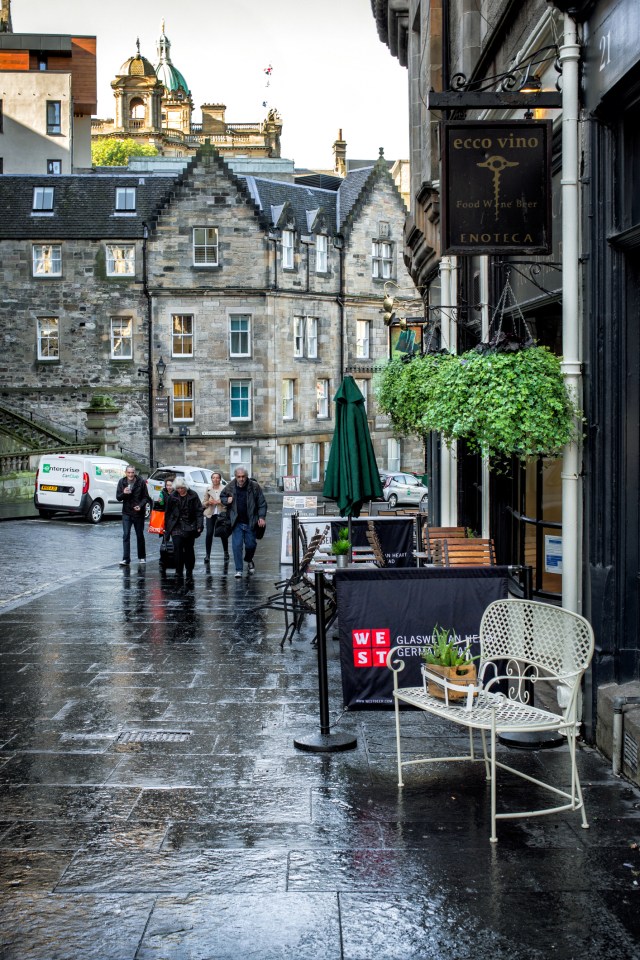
point(501, 403)
point(405, 391)
point(513, 403)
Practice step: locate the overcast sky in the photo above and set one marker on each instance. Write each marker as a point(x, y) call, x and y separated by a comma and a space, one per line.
point(329, 69)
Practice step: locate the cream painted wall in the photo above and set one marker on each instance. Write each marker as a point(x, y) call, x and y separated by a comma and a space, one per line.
point(25, 146)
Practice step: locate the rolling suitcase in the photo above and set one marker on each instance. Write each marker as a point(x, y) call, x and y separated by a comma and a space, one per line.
point(167, 555)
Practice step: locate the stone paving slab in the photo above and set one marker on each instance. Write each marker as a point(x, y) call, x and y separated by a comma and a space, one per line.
point(284, 927)
point(64, 928)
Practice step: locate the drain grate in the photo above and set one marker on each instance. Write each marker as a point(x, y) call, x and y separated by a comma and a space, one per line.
point(153, 736)
point(630, 753)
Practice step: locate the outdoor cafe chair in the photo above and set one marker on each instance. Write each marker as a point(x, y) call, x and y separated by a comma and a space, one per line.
point(432, 538)
point(293, 595)
point(522, 643)
point(465, 552)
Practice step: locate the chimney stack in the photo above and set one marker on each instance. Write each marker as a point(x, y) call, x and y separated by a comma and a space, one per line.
point(340, 155)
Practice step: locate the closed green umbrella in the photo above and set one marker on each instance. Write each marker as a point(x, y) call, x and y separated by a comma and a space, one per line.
point(352, 473)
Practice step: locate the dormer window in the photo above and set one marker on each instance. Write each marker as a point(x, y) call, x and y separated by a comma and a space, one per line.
point(288, 237)
point(125, 199)
point(43, 200)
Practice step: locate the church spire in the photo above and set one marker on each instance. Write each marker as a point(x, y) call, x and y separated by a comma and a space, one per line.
point(164, 46)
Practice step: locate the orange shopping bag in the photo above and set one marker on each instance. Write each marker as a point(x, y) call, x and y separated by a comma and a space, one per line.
point(156, 521)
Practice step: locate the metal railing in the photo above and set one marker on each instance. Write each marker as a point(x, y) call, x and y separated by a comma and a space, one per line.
point(21, 462)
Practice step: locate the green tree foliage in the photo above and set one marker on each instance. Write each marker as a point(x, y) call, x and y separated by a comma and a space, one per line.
point(502, 404)
point(116, 153)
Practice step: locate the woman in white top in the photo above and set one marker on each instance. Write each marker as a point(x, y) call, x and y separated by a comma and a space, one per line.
point(212, 510)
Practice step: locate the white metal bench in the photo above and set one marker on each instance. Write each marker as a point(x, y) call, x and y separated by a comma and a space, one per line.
point(522, 642)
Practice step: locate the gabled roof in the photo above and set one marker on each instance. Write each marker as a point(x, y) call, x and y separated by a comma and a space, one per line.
point(83, 206)
point(350, 189)
point(209, 156)
point(273, 195)
point(357, 187)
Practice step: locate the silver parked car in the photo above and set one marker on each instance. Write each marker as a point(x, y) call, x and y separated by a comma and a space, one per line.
point(198, 478)
point(403, 489)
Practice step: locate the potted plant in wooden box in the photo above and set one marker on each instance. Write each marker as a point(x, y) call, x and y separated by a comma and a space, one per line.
point(448, 670)
point(340, 548)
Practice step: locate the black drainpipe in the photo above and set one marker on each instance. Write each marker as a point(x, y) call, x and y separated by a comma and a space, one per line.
point(445, 46)
point(145, 287)
point(339, 242)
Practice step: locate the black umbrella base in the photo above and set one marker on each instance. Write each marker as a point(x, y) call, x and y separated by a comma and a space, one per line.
point(326, 743)
point(532, 740)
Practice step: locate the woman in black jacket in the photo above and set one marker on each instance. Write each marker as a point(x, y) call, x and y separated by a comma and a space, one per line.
point(184, 521)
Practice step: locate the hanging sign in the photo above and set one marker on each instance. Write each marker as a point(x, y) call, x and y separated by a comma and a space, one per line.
point(161, 407)
point(496, 187)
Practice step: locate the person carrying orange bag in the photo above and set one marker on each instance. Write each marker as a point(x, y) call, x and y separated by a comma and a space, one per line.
point(156, 519)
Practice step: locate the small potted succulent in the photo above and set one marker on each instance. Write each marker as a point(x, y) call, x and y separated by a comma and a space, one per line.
point(341, 546)
point(446, 659)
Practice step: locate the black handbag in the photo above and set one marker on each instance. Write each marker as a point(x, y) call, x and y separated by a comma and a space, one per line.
point(167, 555)
point(223, 525)
point(260, 532)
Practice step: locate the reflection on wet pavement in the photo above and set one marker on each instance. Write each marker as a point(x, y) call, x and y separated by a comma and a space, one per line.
point(205, 834)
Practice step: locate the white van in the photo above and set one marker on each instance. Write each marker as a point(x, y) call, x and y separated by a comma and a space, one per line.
point(76, 483)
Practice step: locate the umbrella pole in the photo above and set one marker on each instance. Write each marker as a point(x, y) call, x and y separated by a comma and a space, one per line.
point(325, 741)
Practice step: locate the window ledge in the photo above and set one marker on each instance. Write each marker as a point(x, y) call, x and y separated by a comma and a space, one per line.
point(205, 266)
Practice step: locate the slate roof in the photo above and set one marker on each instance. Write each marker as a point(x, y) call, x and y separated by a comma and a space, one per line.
point(274, 193)
point(350, 189)
point(83, 206)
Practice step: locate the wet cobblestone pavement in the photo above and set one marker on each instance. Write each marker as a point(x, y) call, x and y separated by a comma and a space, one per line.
point(221, 840)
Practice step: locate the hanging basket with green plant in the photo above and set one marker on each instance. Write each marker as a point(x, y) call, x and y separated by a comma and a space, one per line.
point(405, 390)
point(511, 392)
point(510, 404)
point(505, 398)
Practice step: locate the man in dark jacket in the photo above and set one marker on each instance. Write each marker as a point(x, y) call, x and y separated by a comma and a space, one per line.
point(132, 493)
point(247, 509)
point(183, 522)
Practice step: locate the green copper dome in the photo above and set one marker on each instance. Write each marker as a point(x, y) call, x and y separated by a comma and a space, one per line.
point(167, 74)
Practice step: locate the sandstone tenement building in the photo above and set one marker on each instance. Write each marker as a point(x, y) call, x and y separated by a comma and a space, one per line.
point(256, 295)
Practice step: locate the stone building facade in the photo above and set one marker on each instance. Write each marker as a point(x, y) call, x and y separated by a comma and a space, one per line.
point(256, 295)
point(154, 105)
point(581, 300)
